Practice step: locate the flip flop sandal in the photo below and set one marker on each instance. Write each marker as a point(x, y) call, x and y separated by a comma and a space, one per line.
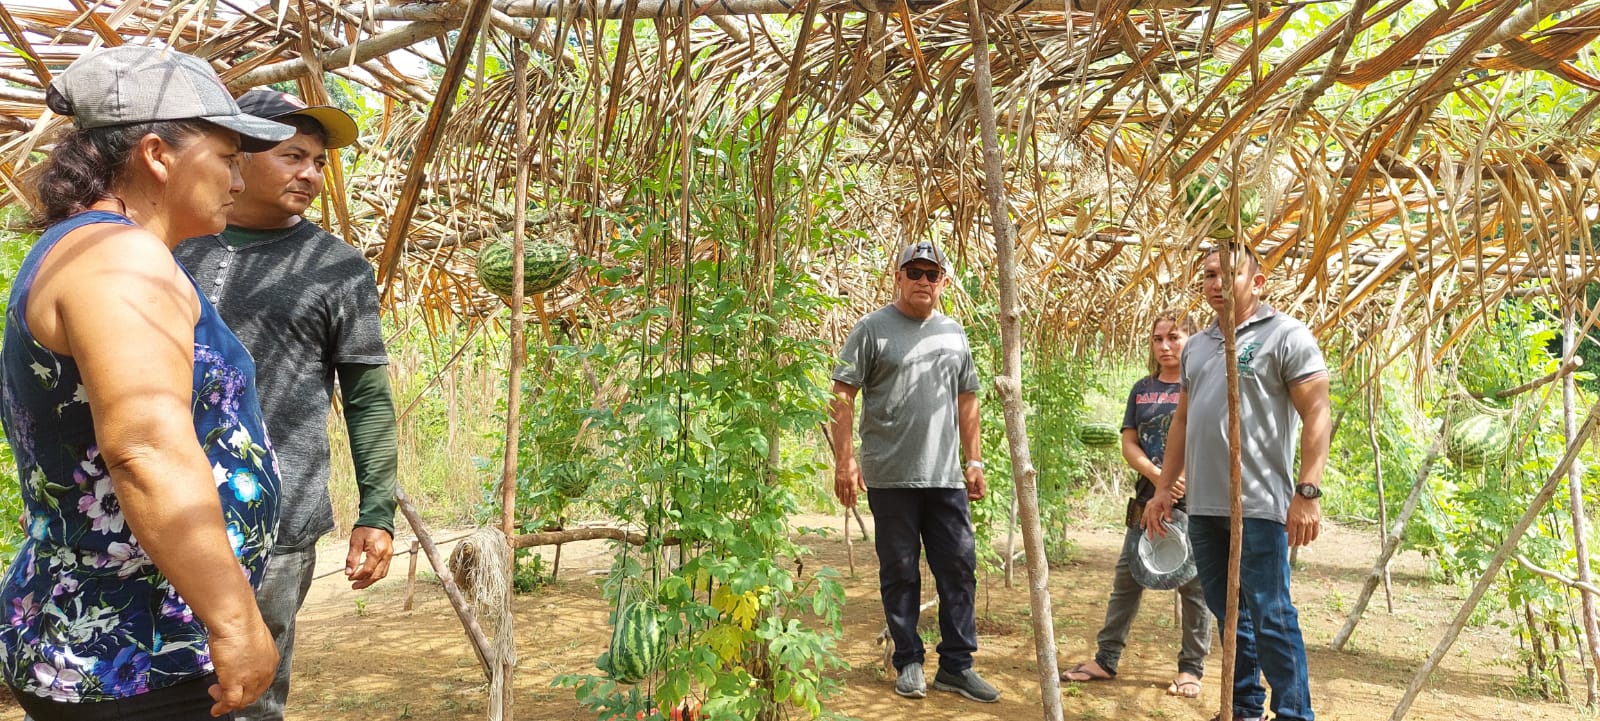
point(1176, 688)
point(1082, 669)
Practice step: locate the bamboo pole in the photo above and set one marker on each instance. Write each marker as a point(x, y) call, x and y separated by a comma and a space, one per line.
point(1009, 383)
point(656, 9)
point(1551, 485)
point(1580, 530)
point(1391, 543)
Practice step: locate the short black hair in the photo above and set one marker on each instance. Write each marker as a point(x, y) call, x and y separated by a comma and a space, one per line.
point(305, 124)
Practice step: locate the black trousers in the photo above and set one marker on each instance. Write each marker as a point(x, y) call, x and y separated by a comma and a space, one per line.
point(908, 519)
point(183, 701)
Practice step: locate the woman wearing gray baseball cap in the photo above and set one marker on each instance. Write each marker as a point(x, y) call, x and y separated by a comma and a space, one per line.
point(149, 483)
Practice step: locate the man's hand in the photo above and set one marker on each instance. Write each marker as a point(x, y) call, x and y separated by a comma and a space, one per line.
point(377, 547)
point(1157, 512)
point(1180, 488)
point(1305, 520)
point(244, 665)
point(977, 488)
point(847, 482)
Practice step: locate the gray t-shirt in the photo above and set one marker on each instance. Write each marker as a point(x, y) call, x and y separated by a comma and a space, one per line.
point(301, 301)
point(910, 372)
point(1275, 352)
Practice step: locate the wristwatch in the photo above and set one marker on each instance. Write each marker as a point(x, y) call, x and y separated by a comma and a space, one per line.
point(974, 464)
point(1308, 491)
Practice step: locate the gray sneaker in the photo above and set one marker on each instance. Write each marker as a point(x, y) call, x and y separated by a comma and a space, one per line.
point(967, 683)
point(911, 684)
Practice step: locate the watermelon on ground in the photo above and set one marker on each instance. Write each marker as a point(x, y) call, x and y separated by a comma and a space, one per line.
point(545, 266)
point(636, 643)
point(1476, 439)
point(1099, 435)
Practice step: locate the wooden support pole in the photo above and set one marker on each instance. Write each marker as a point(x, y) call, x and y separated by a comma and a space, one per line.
point(1391, 543)
point(411, 577)
point(1580, 523)
point(1377, 473)
point(373, 47)
point(1230, 616)
point(1574, 447)
point(469, 620)
point(1009, 383)
point(849, 545)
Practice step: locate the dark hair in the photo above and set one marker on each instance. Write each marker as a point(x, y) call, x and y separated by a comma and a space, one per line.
point(86, 163)
point(1180, 320)
point(306, 125)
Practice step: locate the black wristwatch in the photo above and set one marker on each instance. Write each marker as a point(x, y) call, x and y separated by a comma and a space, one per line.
point(1309, 491)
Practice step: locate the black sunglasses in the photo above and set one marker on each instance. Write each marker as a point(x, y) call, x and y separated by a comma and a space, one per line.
point(932, 274)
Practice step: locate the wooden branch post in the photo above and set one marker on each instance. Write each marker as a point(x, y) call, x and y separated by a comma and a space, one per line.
point(411, 577)
point(519, 357)
point(1391, 543)
point(1574, 447)
point(1580, 530)
point(1373, 384)
point(469, 620)
point(1009, 383)
point(1230, 616)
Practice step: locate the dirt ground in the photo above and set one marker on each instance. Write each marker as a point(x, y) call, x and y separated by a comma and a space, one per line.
point(360, 656)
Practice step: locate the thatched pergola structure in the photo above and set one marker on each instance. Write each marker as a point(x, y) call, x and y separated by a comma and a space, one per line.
point(1416, 164)
point(1108, 108)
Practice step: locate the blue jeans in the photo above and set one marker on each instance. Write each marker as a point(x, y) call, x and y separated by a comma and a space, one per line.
point(1269, 641)
point(907, 519)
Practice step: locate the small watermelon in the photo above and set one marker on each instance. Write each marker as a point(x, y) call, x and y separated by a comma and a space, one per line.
point(1477, 439)
point(1099, 435)
point(569, 478)
point(636, 643)
point(545, 266)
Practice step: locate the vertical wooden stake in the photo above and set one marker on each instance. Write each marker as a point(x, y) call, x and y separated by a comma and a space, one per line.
point(1009, 382)
point(411, 576)
point(1377, 471)
point(1580, 530)
point(849, 544)
point(1230, 616)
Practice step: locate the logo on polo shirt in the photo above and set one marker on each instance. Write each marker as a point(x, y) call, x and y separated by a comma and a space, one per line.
point(1247, 356)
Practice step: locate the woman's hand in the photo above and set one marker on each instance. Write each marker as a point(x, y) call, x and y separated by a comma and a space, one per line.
point(245, 666)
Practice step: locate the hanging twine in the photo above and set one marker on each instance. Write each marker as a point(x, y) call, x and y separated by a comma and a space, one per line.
point(479, 565)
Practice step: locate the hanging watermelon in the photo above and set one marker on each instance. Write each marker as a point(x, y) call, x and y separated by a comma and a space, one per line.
point(1477, 439)
point(1099, 435)
point(636, 643)
point(545, 266)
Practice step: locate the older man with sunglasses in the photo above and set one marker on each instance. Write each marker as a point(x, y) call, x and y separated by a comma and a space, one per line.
point(913, 368)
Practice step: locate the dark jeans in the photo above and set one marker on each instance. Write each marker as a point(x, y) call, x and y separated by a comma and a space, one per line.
point(1126, 594)
point(184, 701)
point(908, 519)
point(1269, 641)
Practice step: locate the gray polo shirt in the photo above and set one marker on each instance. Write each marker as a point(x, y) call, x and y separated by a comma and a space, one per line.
point(302, 301)
point(909, 373)
point(1275, 352)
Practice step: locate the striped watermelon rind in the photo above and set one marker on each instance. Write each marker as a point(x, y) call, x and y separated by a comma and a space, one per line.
point(545, 266)
point(1477, 439)
point(1099, 435)
point(636, 643)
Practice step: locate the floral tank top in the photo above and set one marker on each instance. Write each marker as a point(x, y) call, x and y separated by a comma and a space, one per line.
point(89, 617)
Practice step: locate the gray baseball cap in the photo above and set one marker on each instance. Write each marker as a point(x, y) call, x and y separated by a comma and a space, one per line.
point(923, 250)
point(138, 84)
